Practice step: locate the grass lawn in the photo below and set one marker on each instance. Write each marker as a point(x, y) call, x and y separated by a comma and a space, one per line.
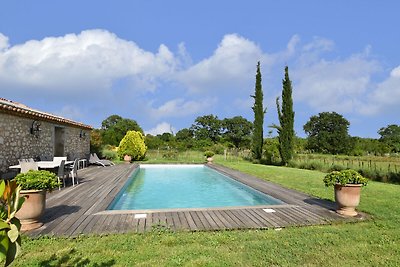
point(370, 243)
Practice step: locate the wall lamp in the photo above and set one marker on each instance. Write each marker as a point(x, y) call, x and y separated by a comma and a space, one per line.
point(35, 128)
point(82, 134)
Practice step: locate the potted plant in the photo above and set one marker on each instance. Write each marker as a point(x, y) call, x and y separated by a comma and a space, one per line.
point(347, 184)
point(34, 185)
point(209, 155)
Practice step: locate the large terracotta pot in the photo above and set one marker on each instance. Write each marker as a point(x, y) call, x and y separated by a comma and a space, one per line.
point(32, 209)
point(127, 158)
point(347, 198)
point(210, 160)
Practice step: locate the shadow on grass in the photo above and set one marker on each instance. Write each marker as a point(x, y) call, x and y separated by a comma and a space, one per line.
point(71, 258)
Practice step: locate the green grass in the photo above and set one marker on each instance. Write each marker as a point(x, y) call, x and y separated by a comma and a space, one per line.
point(370, 243)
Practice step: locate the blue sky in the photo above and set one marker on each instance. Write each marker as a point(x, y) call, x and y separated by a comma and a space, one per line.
point(163, 63)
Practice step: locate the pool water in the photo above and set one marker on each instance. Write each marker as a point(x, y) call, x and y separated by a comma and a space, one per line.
point(185, 186)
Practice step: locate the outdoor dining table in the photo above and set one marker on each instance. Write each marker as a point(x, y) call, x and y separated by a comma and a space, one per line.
point(44, 164)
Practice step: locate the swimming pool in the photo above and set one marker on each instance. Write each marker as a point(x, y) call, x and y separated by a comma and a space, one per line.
point(185, 186)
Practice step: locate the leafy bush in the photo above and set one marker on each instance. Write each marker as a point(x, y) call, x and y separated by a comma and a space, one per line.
point(344, 177)
point(170, 154)
point(109, 154)
point(37, 180)
point(132, 145)
point(209, 154)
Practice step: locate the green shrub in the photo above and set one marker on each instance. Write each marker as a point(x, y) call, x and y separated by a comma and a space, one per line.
point(344, 177)
point(132, 145)
point(209, 154)
point(37, 180)
point(170, 154)
point(109, 154)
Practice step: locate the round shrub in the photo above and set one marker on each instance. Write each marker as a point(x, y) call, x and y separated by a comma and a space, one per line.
point(132, 145)
point(37, 180)
point(344, 177)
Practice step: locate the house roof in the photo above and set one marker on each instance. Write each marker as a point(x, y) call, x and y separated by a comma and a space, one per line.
point(18, 109)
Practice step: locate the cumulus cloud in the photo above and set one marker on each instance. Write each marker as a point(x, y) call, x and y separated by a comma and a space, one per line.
point(93, 60)
point(161, 128)
point(231, 66)
point(339, 84)
point(385, 96)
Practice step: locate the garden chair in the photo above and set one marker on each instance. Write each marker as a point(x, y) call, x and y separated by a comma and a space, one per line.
point(94, 159)
point(27, 166)
point(61, 173)
point(74, 172)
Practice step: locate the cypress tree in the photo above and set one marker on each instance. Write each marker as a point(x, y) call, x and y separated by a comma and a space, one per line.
point(257, 142)
point(286, 120)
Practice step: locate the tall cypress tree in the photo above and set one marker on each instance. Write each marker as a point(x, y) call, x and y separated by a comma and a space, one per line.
point(286, 120)
point(259, 112)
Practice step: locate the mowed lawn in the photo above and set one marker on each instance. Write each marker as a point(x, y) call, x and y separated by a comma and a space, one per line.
point(369, 243)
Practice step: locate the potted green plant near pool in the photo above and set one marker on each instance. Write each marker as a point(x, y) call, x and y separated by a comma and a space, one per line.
point(347, 185)
point(34, 185)
point(209, 155)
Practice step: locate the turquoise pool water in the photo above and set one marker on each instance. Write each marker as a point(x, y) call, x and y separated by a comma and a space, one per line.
point(185, 186)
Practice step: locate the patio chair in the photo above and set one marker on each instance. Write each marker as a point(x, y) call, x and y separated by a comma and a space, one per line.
point(27, 166)
point(61, 173)
point(94, 159)
point(74, 172)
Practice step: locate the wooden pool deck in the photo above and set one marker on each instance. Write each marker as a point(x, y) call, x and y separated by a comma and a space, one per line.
point(82, 209)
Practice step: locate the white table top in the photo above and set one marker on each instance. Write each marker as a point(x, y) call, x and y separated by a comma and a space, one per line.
point(44, 164)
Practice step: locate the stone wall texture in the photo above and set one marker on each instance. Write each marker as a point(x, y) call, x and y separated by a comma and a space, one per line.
point(16, 140)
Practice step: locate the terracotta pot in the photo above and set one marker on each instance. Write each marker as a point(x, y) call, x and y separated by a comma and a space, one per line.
point(209, 159)
point(347, 198)
point(32, 209)
point(127, 158)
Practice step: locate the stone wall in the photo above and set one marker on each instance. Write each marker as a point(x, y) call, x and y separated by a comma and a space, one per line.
point(16, 140)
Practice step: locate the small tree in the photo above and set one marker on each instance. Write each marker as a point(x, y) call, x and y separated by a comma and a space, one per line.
point(132, 145)
point(259, 111)
point(286, 120)
point(328, 133)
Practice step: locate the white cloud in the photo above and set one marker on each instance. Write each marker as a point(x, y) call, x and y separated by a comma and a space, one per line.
point(181, 108)
point(231, 66)
point(161, 128)
point(332, 85)
point(3, 42)
point(385, 97)
point(92, 60)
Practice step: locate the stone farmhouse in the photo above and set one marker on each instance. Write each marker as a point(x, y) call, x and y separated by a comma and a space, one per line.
point(30, 133)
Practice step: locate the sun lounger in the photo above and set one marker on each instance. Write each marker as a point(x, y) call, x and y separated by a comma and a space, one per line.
point(94, 159)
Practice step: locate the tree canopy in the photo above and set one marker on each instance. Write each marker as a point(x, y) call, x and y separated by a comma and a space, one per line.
point(328, 133)
point(115, 127)
point(207, 127)
point(237, 130)
point(390, 135)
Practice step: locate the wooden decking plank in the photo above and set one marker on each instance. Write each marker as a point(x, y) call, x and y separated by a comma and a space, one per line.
point(234, 218)
point(93, 220)
point(259, 222)
point(210, 220)
point(245, 219)
point(263, 216)
point(222, 219)
point(207, 225)
point(197, 220)
point(176, 221)
point(141, 225)
point(215, 218)
point(182, 219)
point(190, 221)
